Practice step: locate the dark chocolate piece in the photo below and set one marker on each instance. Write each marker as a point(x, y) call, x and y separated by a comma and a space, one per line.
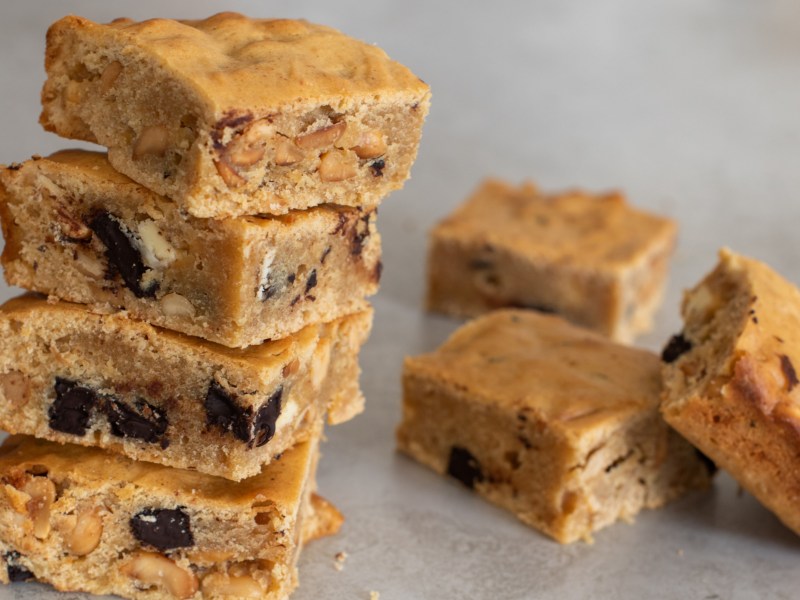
point(16, 573)
point(71, 411)
point(122, 253)
point(143, 421)
point(676, 346)
point(163, 528)
point(789, 372)
point(254, 429)
point(377, 167)
point(311, 282)
point(464, 467)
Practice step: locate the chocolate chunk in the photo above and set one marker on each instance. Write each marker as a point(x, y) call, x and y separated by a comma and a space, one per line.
point(16, 572)
point(72, 409)
point(311, 282)
point(709, 464)
point(376, 274)
point(163, 528)
point(325, 254)
point(377, 167)
point(122, 253)
point(464, 467)
point(789, 372)
point(266, 417)
point(676, 346)
point(291, 277)
point(143, 421)
point(223, 411)
point(360, 234)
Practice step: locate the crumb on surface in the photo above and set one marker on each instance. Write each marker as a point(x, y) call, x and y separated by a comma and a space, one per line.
point(340, 558)
point(373, 595)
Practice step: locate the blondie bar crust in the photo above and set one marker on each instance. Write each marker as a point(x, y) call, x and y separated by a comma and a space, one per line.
point(730, 379)
point(550, 421)
point(77, 229)
point(83, 519)
point(235, 116)
point(71, 375)
point(592, 259)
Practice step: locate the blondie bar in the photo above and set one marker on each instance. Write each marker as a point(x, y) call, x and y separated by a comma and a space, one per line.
point(592, 259)
point(71, 375)
point(83, 519)
point(550, 421)
point(236, 116)
point(731, 385)
point(77, 229)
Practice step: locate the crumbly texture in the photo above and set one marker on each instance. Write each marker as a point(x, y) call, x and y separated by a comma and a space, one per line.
point(592, 259)
point(236, 116)
point(76, 228)
point(731, 384)
point(83, 519)
point(71, 375)
point(550, 421)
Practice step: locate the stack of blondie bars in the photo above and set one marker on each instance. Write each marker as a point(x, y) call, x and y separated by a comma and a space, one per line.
point(200, 299)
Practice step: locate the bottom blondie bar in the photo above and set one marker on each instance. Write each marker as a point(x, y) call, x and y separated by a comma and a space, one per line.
point(84, 519)
point(552, 422)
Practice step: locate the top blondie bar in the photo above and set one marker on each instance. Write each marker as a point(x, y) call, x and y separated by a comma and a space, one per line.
point(234, 116)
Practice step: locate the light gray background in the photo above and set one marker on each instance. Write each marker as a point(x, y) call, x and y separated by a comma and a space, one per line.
point(692, 108)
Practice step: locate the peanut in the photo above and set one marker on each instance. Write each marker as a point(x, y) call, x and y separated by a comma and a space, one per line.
point(217, 585)
point(371, 144)
point(72, 229)
point(43, 493)
point(175, 305)
point(88, 264)
point(229, 174)
point(109, 75)
point(16, 388)
point(155, 569)
point(337, 165)
point(153, 139)
point(250, 147)
point(87, 532)
point(286, 153)
point(321, 138)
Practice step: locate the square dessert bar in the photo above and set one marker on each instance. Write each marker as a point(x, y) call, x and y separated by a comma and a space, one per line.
point(77, 229)
point(547, 420)
point(234, 116)
point(592, 259)
point(731, 382)
point(82, 519)
point(71, 375)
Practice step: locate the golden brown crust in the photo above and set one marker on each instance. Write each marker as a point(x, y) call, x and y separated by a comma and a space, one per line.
point(734, 390)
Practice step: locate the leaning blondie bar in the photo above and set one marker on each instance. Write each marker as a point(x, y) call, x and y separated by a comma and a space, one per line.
point(592, 259)
point(550, 421)
point(83, 519)
point(231, 116)
point(105, 380)
point(76, 228)
point(731, 385)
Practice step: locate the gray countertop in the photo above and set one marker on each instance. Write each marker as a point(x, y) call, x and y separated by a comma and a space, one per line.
point(690, 107)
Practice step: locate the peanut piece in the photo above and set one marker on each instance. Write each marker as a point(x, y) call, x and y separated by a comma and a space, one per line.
point(321, 138)
point(16, 388)
point(109, 76)
point(155, 569)
point(43, 493)
point(153, 139)
point(87, 532)
point(229, 175)
point(217, 585)
point(250, 147)
point(88, 264)
point(175, 305)
point(371, 144)
point(71, 228)
point(286, 153)
point(337, 165)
